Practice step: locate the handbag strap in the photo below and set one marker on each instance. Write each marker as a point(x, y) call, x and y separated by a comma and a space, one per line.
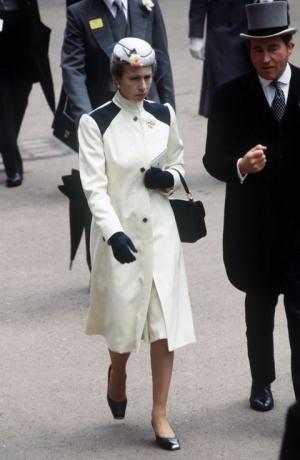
point(185, 186)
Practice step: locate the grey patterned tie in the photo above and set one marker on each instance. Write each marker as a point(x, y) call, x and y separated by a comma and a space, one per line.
point(120, 18)
point(278, 103)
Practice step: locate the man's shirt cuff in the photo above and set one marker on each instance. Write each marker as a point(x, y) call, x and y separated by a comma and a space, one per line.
point(241, 176)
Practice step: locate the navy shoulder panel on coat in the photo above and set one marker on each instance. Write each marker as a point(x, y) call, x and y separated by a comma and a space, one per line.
point(159, 111)
point(104, 115)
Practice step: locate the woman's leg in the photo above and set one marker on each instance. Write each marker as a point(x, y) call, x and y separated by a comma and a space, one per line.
point(117, 381)
point(162, 366)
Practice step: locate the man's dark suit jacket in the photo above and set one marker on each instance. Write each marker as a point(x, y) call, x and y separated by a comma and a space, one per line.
point(226, 53)
point(86, 53)
point(261, 222)
point(39, 36)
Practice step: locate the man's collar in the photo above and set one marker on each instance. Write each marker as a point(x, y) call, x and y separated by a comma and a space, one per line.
point(110, 2)
point(284, 78)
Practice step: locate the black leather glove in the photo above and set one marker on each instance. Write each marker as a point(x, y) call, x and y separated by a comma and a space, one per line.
point(122, 246)
point(157, 178)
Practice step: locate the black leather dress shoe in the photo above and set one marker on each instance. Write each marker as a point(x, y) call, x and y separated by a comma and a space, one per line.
point(118, 408)
point(261, 398)
point(15, 180)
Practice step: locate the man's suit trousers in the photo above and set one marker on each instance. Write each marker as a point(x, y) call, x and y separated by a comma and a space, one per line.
point(14, 91)
point(260, 311)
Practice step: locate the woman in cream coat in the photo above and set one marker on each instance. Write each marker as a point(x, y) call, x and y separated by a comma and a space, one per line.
point(130, 150)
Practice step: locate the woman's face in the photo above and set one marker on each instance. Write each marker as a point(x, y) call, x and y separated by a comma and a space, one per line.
point(135, 82)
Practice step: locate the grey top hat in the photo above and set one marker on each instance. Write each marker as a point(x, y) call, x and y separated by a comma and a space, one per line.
point(267, 19)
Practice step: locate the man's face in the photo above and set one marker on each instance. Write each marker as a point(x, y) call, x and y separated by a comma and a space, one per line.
point(269, 56)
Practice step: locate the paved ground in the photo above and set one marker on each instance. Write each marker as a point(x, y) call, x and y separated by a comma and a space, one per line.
point(53, 377)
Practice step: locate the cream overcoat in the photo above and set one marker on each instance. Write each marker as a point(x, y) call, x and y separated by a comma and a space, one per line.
point(118, 142)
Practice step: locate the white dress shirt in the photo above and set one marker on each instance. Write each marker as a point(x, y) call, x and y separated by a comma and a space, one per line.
point(112, 8)
point(284, 84)
point(269, 91)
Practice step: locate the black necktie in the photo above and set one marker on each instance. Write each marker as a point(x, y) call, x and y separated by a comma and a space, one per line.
point(278, 103)
point(120, 18)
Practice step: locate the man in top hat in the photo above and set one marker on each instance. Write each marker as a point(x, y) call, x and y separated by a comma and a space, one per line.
point(92, 29)
point(214, 32)
point(253, 145)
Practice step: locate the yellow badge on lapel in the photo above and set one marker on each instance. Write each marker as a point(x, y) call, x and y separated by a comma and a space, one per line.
point(96, 23)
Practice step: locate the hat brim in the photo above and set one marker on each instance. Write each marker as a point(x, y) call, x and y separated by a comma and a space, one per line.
point(290, 31)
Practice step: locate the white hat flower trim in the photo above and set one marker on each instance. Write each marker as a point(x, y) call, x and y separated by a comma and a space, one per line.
point(135, 60)
point(148, 4)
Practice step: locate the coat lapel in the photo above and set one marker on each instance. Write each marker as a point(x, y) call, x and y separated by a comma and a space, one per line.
point(259, 101)
point(138, 16)
point(102, 32)
point(293, 102)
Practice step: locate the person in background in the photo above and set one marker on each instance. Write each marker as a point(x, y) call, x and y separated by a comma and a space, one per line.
point(223, 51)
point(92, 29)
point(24, 42)
point(130, 154)
point(253, 145)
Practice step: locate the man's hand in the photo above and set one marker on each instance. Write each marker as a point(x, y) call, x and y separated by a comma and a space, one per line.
point(197, 48)
point(253, 161)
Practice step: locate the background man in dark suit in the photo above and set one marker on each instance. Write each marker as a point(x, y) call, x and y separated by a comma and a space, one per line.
point(93, 26)
point(253, 145)
point(24, 42)
point(224, 53)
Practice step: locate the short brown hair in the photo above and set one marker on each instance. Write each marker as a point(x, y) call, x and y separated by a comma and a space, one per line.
point(117, 68)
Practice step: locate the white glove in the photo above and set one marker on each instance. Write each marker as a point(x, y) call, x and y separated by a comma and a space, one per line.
point(197, 48)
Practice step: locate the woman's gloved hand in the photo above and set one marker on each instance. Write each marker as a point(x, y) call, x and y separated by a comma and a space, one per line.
point(157, 178)
point(122, 248)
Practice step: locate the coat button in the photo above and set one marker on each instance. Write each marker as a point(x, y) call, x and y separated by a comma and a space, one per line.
point(103, 238)
point(145, 219)
point(142, 170)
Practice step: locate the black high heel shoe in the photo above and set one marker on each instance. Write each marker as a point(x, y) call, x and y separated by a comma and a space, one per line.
point(118, 408)
point(171, 443)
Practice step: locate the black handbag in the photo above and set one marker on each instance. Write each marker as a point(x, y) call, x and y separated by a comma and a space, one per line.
point(64, 126)
point(189, 216)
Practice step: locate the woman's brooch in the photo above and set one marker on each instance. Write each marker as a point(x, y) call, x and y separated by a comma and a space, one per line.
point(150, 123)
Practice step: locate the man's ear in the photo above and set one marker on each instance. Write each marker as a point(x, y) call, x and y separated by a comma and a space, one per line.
point(290, 46)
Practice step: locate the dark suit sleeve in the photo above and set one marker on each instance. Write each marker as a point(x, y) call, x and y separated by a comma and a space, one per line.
point(220, 157)
point(73, 65)
point(39, 38)
point(197, 15)
point(163, 77)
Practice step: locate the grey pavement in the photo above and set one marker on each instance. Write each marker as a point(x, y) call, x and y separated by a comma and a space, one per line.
point(53, 376)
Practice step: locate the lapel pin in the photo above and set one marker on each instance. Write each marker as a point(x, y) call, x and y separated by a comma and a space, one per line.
point(96, 23)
